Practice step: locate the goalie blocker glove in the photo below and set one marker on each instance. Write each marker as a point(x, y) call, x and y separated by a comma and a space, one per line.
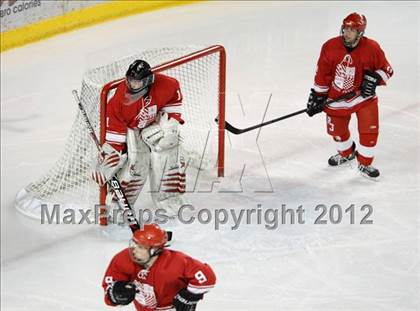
point(122, 293)
point(370, 81)
point(186, 301)
point(316, 103)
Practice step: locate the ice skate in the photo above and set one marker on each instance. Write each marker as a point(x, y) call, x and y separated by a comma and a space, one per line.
point(339, 160)
point(369, 171)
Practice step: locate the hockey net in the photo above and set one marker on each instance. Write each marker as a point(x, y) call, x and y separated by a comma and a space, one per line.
point(201, 73)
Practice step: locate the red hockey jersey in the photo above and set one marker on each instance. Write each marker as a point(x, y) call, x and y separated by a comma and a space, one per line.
point(340, 71)
point(126, 110)
point(158, 285)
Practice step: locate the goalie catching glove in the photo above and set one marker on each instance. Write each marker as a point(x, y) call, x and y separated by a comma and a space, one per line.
point(122, 293)
point(161, 135)
point(107, 164)
point(186, 301)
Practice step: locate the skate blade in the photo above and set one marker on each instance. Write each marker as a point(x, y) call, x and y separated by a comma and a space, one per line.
point(348, 164)
point(375, 179)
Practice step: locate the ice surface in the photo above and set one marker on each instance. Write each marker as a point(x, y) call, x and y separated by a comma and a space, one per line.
point(272, 49)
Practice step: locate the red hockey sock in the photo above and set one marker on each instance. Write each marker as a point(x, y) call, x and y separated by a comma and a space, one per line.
point(347, 152)
point(366, 161)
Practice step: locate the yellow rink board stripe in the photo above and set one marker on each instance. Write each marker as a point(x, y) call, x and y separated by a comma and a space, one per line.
point(80, 18)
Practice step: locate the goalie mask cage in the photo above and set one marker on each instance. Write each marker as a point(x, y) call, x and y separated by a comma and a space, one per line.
point(201, 74)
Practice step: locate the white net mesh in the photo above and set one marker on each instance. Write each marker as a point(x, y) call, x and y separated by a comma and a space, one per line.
point(68, 182)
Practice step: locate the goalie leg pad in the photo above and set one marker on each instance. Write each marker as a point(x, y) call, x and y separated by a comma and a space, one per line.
point(133, 174)
point(167, 180)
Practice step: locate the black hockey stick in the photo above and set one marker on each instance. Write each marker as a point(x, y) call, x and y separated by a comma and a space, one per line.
point(229, 127)
point(113, 182)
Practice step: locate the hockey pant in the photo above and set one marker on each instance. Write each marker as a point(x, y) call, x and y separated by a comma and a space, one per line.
point(368, 127)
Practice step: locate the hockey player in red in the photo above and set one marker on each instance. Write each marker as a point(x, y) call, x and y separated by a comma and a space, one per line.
point(142, 137)
point(154, 277)
point(350, 63)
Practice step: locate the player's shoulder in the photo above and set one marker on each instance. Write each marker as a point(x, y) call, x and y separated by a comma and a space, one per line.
point(123, 259)
point(169, 256)
point(174, 254)
point(165, 81)
point(179, 257)
point(371, 43)
point(120, 92)
point(177, 260)
point(123, 254)
point(333, 43)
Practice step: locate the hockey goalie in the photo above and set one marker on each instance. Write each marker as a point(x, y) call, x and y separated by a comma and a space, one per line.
point(142, 138)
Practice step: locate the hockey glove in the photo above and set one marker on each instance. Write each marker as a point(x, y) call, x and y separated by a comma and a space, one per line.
point(186, 301)
point(122, 293)
point(370, 81)
point(161, 135)
point(107, 164)
point(316, 103)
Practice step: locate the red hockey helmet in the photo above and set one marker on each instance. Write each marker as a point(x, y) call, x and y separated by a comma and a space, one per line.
point(151, 236)
point(356, 21)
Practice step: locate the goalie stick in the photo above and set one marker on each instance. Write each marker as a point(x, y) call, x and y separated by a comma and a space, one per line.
point(229, 127)
point(113, 182)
